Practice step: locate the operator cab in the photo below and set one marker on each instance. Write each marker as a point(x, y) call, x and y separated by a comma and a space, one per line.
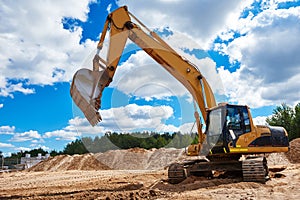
point(225, 124)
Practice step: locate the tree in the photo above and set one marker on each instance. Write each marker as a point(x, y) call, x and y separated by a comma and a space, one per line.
point(54, 153)
point(296, 121)
point(75, 147)
point(1, 159)
point(288, 118)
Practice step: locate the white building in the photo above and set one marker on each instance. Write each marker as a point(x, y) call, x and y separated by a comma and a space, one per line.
point(29, 161)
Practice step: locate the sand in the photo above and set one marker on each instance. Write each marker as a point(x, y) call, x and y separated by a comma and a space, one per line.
point(141, 174)
point(142, 184)
point(294, 154)
point(67, 162)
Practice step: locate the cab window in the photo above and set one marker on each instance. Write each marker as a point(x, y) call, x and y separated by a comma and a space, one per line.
point(237, 119)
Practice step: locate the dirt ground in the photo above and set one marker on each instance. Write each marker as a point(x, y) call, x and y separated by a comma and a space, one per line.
point(142, 174)
point(143, 184)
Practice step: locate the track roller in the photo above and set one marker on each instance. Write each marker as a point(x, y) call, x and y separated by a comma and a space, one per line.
point(176, 173)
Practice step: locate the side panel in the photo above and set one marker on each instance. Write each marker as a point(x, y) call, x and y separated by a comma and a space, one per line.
point(268, 140)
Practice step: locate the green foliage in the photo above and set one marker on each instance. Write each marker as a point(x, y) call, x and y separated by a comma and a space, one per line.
point(146, 140)
point(75, 147)
point(288, 118)
point(15, 158)
point(296, 121)
point(55, 153)
point(33, 153)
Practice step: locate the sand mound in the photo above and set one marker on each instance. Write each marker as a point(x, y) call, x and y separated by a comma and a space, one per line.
point(67, 162)
point(294, 153)
point(130, 159)
point(140, 159)
point(277, 159)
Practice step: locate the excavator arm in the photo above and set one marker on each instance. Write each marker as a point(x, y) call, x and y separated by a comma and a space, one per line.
point(121, 27)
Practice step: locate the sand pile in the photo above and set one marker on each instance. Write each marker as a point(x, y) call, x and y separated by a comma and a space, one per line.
point(140, 159)
point(67, 162)
point(130, 159)
point(277, 159)
point(294, 153)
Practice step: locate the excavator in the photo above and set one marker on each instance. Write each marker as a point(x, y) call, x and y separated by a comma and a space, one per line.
point(230, 141)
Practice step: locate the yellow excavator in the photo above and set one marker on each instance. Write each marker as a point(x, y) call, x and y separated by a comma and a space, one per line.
point(231, 142)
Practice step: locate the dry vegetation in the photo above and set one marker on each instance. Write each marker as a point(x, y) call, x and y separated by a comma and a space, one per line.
point(140, 174)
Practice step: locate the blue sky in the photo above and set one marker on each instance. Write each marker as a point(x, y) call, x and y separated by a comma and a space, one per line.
point(248, 51)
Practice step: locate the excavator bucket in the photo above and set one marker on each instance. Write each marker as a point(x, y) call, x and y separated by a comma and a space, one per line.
point(86, 91)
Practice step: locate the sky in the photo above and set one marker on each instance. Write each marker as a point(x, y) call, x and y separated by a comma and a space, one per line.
point(248, 51)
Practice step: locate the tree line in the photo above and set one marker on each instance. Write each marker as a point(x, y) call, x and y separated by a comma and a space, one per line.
point(145, 140)
point(112, 141)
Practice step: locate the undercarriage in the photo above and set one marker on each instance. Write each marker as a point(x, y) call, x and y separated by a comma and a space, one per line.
point(252, 169)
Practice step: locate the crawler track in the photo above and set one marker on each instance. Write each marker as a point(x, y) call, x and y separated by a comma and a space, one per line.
point(255, 169)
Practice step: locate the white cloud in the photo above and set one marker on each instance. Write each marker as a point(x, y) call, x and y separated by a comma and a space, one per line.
point(200, 19)
point(268, 53)
point(133, 117)
point(260, 120)
point(122, 119)
point(1, 105)
point(81, 126)
point(22, 149)
point(62, 135)
point(7, 130)
point(26, 136)
point(128, 118)
point(108, 9)
point(6, 145)
point(37, 48)
point(143, 77)
point(188, 128)
point(185, 128)
point(8, 89)
point(206, 65)
point(37, 146)
point(163, 128)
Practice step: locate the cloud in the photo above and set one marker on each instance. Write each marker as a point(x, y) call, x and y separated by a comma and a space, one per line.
point(26, 136)
point(142, 77)
point(6, 145)
point(129, 118)
point(37, 146)
point(41, 51)
point(260, 120)
point(62, 135)
point(22, 149)
point(1, 105)
point(206, 65)
point(268, 54)
point(200, 19)
point(133, 117)
point(7, 130)
point(9, 88)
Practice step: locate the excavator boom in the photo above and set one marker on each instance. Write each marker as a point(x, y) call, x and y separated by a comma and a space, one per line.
point(88, 98)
